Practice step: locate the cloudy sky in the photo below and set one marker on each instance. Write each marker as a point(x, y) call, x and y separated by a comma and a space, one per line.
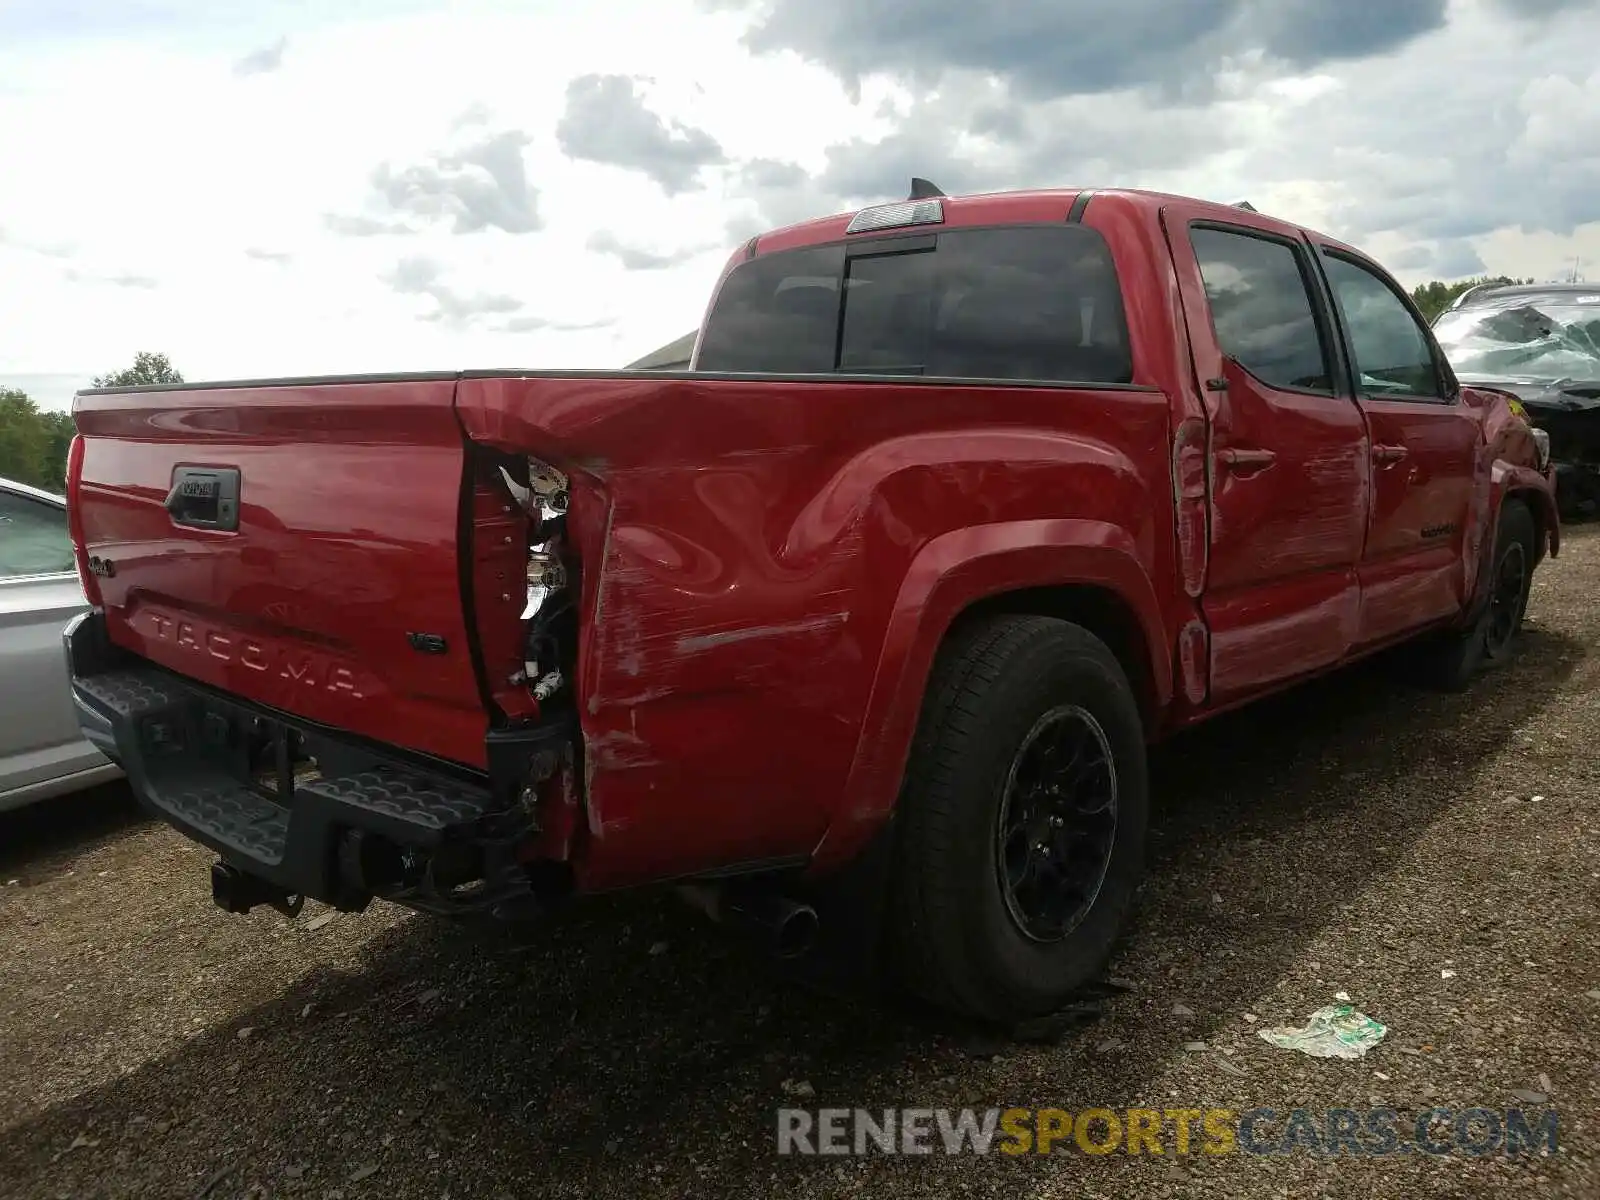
point(315, 186)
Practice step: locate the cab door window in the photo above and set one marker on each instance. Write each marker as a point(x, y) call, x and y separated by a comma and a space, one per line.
point(1393, 355)
point(1261, 309)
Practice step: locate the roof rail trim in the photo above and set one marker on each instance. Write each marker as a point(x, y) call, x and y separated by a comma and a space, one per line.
point(1079, 203)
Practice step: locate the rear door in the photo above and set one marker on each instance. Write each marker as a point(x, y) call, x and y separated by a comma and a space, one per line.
point(1424, 450)
point(1288, 452)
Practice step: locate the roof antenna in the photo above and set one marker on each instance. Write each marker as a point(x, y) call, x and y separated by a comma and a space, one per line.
point(921, 189)
point(1246, 205)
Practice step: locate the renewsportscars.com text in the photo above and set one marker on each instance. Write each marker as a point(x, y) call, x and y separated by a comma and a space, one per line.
point(1214, 1131)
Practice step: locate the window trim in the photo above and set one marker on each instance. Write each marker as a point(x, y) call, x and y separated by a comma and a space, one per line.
point(1338, 379)
point(1449, 388)
point(922, 239)
point(71, 572)
point(886, 247)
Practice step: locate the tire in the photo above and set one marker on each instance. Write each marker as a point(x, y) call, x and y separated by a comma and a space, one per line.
point(1005, 694)
point(1451, 661)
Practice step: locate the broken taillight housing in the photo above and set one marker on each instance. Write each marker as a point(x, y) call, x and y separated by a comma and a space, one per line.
point(546, 576)
point(548, 598)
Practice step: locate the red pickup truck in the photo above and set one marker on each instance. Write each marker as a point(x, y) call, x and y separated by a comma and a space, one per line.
point(963, 502)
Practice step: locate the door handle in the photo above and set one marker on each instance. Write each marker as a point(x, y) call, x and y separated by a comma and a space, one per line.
point(1244, 461)
point(1388, 454)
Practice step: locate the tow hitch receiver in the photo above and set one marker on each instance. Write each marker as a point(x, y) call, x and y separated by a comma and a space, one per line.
point(236, 891)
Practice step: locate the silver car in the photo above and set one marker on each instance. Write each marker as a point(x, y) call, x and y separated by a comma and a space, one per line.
point(42, 750)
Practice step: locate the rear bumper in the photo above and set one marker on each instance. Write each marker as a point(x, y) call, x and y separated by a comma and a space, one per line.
point(96, 725)
point(371, 823)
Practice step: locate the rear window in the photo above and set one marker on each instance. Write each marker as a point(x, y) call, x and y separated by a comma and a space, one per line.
point(1018, 302)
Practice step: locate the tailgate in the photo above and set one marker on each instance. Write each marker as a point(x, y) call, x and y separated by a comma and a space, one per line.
point(294, 544)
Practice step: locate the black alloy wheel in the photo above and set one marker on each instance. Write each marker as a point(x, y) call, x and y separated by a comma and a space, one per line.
point(1057, 824)
point(1507, 597)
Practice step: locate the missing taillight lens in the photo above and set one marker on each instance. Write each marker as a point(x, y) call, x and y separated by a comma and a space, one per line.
point(548, 604)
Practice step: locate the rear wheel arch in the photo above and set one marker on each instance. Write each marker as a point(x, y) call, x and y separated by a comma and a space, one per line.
point(1101, 610)
point(1085, 572)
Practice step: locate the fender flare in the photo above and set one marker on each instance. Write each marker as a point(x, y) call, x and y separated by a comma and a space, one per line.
point(950, 574)
point(1511, 479)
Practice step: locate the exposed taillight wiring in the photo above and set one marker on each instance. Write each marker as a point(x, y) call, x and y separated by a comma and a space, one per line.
point(544, 499)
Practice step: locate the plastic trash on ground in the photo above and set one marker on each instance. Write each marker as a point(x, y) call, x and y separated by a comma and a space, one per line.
point(1336, 1031)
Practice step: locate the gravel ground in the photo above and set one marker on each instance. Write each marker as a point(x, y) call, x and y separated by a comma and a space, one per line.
point(1353, 836)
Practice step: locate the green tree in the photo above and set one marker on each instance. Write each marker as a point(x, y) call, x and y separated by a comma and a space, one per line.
point(147, 368)
point(59, 432)
point(29, 450)
point(34, 443)
point(1436, 296)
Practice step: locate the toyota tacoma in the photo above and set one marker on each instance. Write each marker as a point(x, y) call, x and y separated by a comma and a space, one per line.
point(961, 504)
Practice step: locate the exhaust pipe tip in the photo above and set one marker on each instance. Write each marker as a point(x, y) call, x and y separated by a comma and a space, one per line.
point(787, 927)
point(796, 931)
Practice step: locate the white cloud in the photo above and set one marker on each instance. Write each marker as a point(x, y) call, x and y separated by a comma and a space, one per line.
point(169, 166)
point(159, 196)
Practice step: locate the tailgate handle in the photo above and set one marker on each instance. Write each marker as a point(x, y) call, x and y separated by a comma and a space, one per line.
point(205, 497)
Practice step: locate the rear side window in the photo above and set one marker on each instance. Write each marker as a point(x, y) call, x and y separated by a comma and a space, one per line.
point(778, 314)
point(1019, 302)
point(1261, 309)
point(33, 538)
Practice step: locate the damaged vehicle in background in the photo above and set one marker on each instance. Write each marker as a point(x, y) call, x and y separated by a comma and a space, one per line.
point(1541, 343)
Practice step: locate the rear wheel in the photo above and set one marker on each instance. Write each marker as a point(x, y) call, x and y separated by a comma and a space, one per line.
point(1452, 660)
point(1021, 822)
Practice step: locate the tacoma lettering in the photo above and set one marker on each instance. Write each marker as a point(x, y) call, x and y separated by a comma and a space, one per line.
point(295, 666)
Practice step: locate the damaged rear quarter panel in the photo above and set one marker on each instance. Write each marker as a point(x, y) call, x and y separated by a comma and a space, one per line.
point(743, 546)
